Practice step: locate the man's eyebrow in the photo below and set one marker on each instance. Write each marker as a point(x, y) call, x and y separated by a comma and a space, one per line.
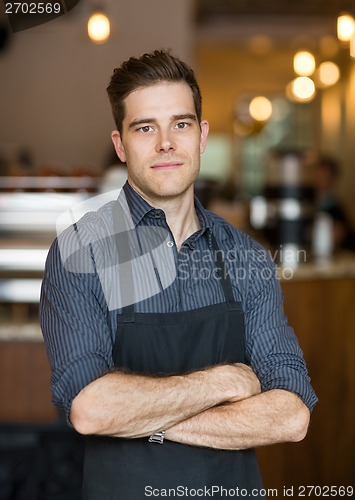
point(135, 123)
point(185, 116)
point(174, 118)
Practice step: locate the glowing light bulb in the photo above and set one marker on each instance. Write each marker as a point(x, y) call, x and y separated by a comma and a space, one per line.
point(99, 27)
point(304, 63)
point(302, 89)
point(260, 108)
point(328, 73)
point(345, 27)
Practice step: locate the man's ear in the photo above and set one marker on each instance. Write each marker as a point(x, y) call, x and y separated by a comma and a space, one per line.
point(204, 133)
point(117, 142)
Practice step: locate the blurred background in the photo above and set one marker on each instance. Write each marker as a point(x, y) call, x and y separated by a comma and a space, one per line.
point(278, 86)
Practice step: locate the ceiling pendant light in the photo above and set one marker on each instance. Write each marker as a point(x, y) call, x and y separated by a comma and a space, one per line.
point(328, 74)
point(260, 108)
point(304, 63)
point(345, 27)
point(301, 89)
point(98, 27)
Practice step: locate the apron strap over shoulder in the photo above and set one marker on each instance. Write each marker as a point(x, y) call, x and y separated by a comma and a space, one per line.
point(223, 274)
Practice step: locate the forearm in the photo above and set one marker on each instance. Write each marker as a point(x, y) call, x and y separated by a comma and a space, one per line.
point(267, 418)
point(129, 405)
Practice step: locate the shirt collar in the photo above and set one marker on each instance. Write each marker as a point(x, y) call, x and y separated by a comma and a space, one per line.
point(206, 225)
point(140, 208)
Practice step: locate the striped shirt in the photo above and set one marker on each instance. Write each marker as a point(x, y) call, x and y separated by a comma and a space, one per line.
point(98, 266)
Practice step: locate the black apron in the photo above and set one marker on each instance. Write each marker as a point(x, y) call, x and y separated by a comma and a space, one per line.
point(172, 343)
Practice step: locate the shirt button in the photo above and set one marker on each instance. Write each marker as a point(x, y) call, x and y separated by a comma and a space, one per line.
point(158, 214)
point(170, 244)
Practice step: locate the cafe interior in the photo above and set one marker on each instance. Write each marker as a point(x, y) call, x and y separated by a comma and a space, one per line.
point(278, 85)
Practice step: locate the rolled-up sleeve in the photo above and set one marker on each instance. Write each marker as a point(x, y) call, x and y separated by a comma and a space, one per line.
point(271, 344)
point(75, 330)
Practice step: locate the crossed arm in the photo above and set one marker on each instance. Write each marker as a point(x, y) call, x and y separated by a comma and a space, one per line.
point(219, 407)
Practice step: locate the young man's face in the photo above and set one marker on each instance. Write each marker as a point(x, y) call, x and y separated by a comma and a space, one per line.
point(161, 141)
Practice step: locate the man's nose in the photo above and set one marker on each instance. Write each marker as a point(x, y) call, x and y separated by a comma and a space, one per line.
point(165, 141)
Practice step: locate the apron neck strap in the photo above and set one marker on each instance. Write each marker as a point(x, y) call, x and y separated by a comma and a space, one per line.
point(223, 274)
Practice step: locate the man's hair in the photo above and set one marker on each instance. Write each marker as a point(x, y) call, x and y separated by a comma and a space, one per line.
point(149, 69)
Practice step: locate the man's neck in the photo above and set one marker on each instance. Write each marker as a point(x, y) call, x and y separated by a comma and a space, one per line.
point(180, 214)
point(182, 221)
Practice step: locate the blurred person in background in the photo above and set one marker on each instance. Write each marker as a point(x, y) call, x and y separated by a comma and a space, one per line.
point(327, 173)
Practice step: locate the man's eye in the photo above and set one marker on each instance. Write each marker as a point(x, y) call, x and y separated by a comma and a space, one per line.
point(146, 128)
point(182, 125)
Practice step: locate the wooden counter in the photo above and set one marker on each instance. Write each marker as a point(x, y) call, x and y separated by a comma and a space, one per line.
point(25, 383)
point(321, 309)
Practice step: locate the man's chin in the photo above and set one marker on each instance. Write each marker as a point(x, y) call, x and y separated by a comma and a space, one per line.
point(169, 194)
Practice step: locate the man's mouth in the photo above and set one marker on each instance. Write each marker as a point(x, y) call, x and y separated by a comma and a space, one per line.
point(166, 165)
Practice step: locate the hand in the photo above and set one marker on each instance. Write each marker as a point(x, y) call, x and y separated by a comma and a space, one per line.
point(240, 382)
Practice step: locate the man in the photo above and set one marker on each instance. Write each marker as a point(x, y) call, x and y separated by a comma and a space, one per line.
point(174, 384)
